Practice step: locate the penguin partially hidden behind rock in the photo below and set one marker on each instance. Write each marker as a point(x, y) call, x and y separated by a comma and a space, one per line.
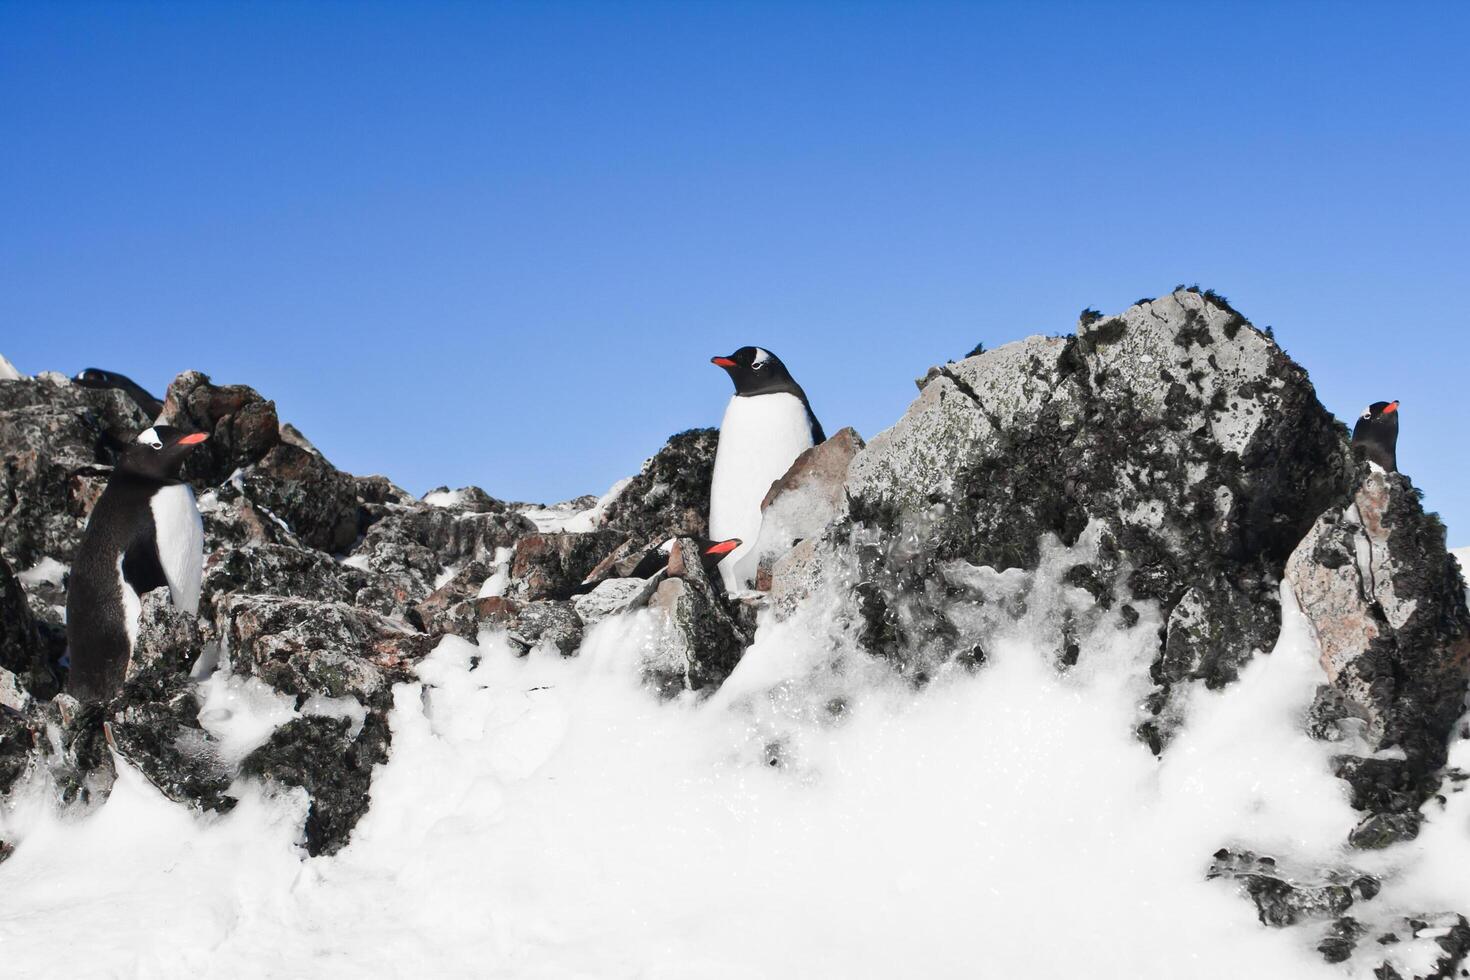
point(767, 424)
point(655, 559)
point(1377, 432)
point(145, 532)
point(98, 378)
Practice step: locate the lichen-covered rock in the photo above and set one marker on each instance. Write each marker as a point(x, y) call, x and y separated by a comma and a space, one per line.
point(702, 641)
point(314, 499)
point(613, 596)
point(1188, 440)
point(670, 497)
point(333, 763)
point(242, 426)
point(304, 646)
point(551, 566)
point(57, 442)
point(411, 545)
point(280, 570)
point(450, 608)
point(1387, 604)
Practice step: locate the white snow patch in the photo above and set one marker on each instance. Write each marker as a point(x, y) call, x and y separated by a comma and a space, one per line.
point(359, 562)
point(8, 371)
point(499, 579)
point(444, 498)
point(47, 571)
point(547, 817)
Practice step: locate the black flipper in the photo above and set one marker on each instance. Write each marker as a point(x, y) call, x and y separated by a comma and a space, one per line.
point(140, 565)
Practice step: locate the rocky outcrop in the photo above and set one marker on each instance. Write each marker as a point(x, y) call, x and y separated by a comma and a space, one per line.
point(57, 443)
point(1387, 604)
point(1182, 434)
point(671, 495)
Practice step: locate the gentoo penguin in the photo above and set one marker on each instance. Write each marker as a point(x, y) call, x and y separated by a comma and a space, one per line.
point(767, 424)
point(145, 532)
point(1377, 431)
point(98, 378)
point(657, 558)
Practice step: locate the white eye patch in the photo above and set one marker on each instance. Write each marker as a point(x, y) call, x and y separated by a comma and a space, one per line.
point(149, 437)
point(761, 357)
point(1367, 413)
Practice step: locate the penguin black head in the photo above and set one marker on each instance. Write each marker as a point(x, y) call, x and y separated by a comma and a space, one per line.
point(1377, 431)
point(756, 371)
point(159, 453)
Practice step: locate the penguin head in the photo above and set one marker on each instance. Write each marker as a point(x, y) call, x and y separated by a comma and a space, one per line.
point(756, 371)
point(1377, 431)
point(159, 453)
point(98, 378)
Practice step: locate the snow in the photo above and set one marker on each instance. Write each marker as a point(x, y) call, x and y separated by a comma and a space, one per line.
point(563, 517)
point(1462, 555)
point(542, 817)
point(47, 571)
point(8, 371)
point(499, 579)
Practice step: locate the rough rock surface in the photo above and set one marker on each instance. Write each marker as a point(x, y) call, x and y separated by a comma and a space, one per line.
point(703, 642)
point(1195, 446)
point(805, 501)
point(1387, 604)
point(671, 495)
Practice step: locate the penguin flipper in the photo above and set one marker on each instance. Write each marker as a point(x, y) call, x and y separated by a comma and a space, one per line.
point(818, 436)
point(140, 565)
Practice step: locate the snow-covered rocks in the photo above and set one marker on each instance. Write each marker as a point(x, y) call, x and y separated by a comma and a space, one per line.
point(809, 497)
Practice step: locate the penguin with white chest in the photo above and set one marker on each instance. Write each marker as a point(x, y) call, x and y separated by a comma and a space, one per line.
point(767, 424)
point(144, 533)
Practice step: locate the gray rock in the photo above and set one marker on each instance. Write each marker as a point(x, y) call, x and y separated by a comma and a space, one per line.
point(1387, 604)
point(804, 502)
point(526, 625)
point(702, 642)
point(613, 596)
point(1196, 449)
point(242, 426)
point(670, 497)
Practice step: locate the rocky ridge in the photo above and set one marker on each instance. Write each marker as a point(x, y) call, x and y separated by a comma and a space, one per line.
point(1165, 469)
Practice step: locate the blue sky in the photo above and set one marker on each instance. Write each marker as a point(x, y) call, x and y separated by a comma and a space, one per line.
point(497, 244)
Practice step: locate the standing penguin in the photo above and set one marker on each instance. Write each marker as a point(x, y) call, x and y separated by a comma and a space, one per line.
point(768, 423)
point(145, 532)
point(1377, 431)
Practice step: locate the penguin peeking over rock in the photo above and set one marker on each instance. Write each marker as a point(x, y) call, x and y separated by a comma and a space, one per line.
point(144, 533)
point(656, 559)
point(767, 424)
point(98, 378)
point(1377, 433)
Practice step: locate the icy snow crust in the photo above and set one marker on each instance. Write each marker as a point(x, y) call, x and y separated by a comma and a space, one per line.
point(542, 817)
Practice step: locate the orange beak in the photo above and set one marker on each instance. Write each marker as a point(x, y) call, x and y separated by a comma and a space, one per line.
point(723, 547)
point(1393, 406)
point(193, 438)
point(723, 362)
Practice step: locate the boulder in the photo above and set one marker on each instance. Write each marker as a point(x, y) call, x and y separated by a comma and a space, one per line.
point(242, 426)
point(280, 570)
point(316, 501)
point(701, 642)
point(804, 502)
point(1387, 604)
point(670, 496)
point(1192, 446)
point(27, 653)
point(551, 566)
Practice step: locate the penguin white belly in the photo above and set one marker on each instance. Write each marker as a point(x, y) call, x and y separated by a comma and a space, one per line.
point(180, 534)
point(760, 438)
point(132, 607)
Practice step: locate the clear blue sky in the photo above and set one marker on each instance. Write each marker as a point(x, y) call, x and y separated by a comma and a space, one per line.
point(465, 243)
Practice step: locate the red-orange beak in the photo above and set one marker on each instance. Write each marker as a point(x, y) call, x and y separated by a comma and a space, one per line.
point(1392, 407)
point(723, 362)
point(193, 438)
point(723, 547)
